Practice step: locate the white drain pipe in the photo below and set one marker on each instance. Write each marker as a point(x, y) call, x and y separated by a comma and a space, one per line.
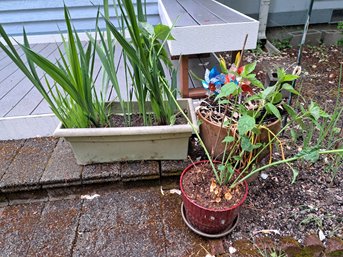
point(263, 18)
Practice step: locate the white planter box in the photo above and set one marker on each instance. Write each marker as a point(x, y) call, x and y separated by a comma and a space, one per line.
point(206, 26)
point(100, 145)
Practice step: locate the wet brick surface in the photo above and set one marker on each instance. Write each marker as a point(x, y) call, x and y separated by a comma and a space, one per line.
point(28, 165)
point(8, 150)
point(172, 168)
point(56, 229)
point(138, 170)
point(121, 221)
point(62, 167)
point(17, 224)
point(180, 240)
point(101, 172)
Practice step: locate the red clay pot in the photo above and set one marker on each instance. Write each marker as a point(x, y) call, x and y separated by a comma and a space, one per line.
point(210, 221)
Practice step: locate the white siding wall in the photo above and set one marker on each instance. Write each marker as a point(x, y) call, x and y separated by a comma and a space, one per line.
point(46, 16)
point(290, 12)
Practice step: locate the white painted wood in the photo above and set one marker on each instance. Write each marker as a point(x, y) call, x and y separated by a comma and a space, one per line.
point(27, 126)
point(213, 38)
point(197, 39)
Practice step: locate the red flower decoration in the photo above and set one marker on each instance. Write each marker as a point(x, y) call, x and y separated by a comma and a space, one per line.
point(247, 89)
point(211, 87)
point(240, 69)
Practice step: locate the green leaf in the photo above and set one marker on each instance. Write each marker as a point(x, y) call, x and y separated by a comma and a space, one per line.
point(237, 158)
point(148, 28)
point(256, 83)
point(295, 173)
point(290, 77)
point(290, 111)
point(281, 74)
point(226, 90)
point(172, 120)
point(294, 135)
point(273, 110)
point(246, 144)
point(268, 91)
point(248, 68)
point(312, 156)
point(314, 110)
point(228, 139)
point(221, 167)
point(277, 98)
point(162, 32)
point(245, 124)
point(289, 88)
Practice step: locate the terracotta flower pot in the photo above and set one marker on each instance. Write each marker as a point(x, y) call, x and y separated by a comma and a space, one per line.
point(209, 133)
point(210, 221)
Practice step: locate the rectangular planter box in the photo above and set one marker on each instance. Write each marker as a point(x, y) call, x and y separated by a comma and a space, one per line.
point(206, 26)
point(100, 145)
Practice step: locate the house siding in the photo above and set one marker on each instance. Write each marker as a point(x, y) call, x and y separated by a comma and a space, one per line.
point(47, 17)
point(290, 12)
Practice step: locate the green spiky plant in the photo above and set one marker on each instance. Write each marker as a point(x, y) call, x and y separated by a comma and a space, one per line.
point(147, 64)
point(71, 96)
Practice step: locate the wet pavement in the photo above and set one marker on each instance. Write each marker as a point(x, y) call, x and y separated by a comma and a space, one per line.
point(112, 219)
point(50, 206)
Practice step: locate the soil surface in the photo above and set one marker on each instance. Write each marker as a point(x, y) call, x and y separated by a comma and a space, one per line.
point(118, 121)
point(199, 178)
point(314, 203)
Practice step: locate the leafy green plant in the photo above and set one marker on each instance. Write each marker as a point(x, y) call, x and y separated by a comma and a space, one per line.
point(248, 127)
point(71, 95)
point(258, 51)
point(271, 253)
point(324, 132)
point(147, 61)
point(282, 44)
point(340, 27)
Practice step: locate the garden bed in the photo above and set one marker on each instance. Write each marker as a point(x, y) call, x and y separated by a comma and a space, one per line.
point(314, 202)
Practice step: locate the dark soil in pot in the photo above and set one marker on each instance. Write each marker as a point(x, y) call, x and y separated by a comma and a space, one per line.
point(118, 121)
point(201, 187)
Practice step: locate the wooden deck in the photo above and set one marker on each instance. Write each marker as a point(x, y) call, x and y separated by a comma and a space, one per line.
point(23, 111)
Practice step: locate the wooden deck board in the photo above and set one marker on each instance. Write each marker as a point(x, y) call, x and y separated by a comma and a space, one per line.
point(11, 75)
point(200, 14)
point(23, 88)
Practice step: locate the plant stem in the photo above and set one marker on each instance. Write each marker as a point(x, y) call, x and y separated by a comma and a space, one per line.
point(334, 151)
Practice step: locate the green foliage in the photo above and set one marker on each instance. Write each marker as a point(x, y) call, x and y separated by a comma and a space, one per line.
point(71, 94)
point(282, 44)
point(340, 27)
point(147, 59)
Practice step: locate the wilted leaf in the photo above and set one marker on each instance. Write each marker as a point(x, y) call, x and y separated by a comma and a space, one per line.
point(213, 185)
point(228, 196)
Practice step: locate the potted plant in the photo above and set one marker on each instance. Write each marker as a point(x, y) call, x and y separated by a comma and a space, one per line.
point(235, 94)
point(88, 121)
point(213, 191)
